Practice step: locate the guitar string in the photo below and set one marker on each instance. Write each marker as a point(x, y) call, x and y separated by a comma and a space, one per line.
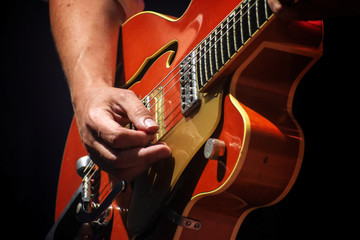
point(90, 165)
point(199, 57)
point(198, 54)
point(95, 175)
point(242, 6)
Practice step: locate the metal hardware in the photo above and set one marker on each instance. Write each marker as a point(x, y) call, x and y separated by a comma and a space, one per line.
point(184, 221)
point(81, 164)
point(188, 84)
point(88, 210)
point(84, 217)
point(88, 216)
point(214, 148)
point(156, 105)
point(105, 218)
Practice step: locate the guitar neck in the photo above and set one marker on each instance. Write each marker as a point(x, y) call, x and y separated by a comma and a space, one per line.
point(200, 66)
point(228, 38)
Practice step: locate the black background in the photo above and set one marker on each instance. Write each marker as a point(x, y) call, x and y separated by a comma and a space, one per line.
point(36, 114)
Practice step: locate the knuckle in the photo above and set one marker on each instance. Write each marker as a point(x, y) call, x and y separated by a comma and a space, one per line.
point(104, 159)
point(141, 110)
point(108, 157)
point(92, 115)
point(87, 139)
point(115, 140)
point(137, 107)
point(126, 94)
point(111, 139)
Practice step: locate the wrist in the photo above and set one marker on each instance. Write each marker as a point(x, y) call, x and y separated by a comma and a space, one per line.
point(80, 95)
point(86, 80)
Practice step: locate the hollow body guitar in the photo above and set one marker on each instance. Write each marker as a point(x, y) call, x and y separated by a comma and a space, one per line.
point(220, 82)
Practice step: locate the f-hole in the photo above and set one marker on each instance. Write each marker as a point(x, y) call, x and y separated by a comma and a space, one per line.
point(171, 47)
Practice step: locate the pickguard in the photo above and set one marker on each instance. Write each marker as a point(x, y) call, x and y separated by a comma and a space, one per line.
point(185, 139)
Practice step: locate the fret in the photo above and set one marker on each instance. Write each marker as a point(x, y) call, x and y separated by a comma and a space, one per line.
point(216, 53)
point(212, 54)
point(268, 10)
point(219, 55)
point(225, 36)
point(237, 30)
point(244, 23)
point(200, 71)
point(223, 44)
point(241, 25)
point(266, 6)
point(257, 14)
point(231, 35)
point(248, 7)
point(261, 12)
point(202, 60)
point(207, 60)
point(228, 37)
point(252, 17)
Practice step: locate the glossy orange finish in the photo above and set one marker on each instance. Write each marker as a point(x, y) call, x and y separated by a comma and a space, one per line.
point(263, 172)
point(69, 180)
point(264, 144)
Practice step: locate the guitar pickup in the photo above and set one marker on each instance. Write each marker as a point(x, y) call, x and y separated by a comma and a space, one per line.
point(188, 84)
point(156, 105)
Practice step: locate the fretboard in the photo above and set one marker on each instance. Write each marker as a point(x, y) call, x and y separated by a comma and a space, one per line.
point(212, 54)
point(229, 37)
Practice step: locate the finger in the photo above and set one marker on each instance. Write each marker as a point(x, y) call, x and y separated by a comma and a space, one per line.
point(129, 163)
point(150, 157)
point(107, 157)
point(275, 5)
point(136, 112)
point(146, 156)
point(103, 126)
point(289, 9)
point(123, 138)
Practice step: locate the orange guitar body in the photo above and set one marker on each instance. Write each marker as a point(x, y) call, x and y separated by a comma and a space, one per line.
point(251, 114)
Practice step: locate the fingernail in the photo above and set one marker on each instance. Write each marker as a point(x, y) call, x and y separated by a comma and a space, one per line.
point(150, 123)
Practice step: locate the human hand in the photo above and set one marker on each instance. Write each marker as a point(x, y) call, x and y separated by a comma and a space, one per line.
point(296, 9)
point(122, 152)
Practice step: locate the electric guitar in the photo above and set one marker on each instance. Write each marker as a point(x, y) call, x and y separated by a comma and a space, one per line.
point(219, 81)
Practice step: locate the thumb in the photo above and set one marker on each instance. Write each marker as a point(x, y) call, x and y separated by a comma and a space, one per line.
point(138, 114)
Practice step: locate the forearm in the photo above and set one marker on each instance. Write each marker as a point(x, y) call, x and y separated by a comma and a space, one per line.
point(86, 36)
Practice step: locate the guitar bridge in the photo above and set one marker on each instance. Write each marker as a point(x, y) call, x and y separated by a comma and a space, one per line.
point(188, 84)
point(91, 208)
